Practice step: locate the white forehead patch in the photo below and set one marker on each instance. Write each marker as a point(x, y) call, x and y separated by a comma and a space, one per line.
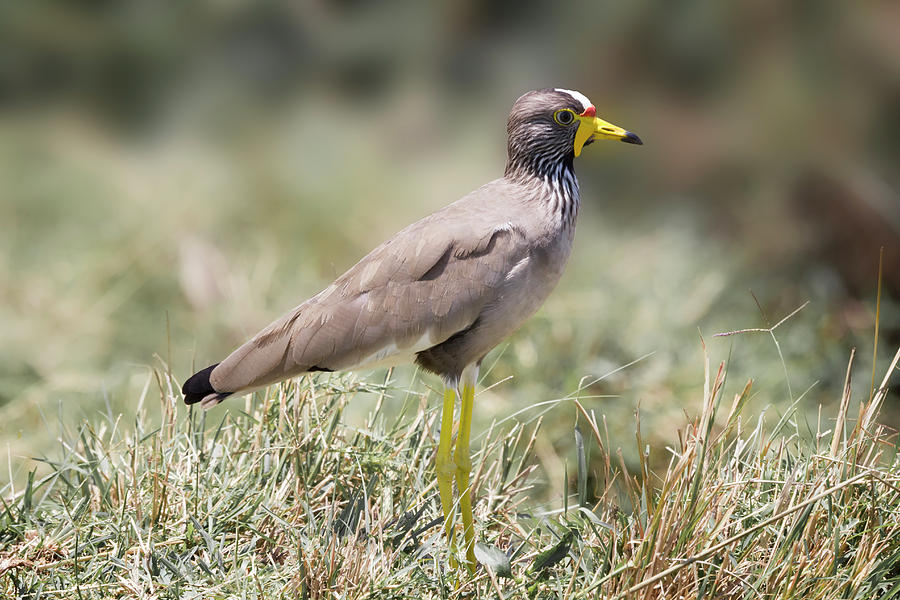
point(585, 103)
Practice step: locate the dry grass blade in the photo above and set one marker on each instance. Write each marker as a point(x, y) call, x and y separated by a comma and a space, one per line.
point(842, 411)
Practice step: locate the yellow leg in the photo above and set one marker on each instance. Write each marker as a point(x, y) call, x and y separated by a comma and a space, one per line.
point(464, 463)
point(445, 468)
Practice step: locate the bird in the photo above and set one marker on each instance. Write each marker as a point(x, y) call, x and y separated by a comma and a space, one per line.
point(445, 290)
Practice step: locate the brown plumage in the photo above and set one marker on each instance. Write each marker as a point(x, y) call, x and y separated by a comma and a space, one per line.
point(448, 288)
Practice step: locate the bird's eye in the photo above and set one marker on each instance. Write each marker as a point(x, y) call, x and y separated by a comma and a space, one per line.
point(564, 117)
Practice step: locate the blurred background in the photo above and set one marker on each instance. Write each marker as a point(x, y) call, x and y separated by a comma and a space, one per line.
point(173, 176)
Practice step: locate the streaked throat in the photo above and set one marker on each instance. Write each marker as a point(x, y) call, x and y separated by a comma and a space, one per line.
point(555, 185)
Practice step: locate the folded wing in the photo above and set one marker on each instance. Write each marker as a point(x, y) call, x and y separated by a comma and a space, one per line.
point(413, 292)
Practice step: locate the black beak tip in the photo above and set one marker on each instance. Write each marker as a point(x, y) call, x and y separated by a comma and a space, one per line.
point(630, 138)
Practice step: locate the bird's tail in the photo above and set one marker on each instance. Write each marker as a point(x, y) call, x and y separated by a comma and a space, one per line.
point(198, 389)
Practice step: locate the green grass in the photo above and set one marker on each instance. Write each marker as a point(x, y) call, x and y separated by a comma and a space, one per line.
point(285, 499)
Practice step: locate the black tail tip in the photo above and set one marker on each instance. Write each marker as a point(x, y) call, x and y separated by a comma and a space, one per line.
point(198, 387)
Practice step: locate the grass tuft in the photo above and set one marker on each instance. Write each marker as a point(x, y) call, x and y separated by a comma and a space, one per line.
point(283, 499)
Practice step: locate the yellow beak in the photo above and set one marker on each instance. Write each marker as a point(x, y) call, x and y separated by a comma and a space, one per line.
point(593, 128)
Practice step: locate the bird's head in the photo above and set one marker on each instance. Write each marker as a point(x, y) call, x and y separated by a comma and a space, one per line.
point(552, 125)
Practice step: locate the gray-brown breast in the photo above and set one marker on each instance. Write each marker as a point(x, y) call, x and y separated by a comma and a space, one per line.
point(522, 291)
point(436, 278)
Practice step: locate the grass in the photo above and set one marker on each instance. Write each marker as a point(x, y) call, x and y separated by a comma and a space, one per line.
point(283, 499)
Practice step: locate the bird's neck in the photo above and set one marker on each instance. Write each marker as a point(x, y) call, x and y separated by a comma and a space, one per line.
point(553, 182)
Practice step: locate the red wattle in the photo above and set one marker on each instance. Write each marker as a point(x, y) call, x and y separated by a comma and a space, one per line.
point(590, 111)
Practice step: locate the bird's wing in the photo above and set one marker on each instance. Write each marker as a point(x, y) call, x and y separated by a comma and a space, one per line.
point(426, 283)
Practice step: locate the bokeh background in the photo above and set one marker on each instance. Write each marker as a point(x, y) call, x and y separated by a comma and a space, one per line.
point(175, 175)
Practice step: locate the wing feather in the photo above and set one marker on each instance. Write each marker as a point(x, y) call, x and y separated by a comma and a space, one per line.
point(416, 290)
